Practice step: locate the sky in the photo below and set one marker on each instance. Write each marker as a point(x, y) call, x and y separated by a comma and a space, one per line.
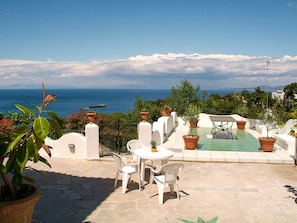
point(148, 44)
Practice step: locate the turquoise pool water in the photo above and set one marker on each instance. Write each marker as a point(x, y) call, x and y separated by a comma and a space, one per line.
point(242, 141)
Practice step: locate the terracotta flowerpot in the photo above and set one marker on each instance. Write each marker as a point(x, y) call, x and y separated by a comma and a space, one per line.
point(20, 211)
point(194, 123)
point(267, 144)
point(240, 124)
point(91, 116)
point(144, 116)
point(191, 141)
point(166, 112)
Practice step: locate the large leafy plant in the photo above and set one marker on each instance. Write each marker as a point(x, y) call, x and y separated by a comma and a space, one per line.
point(23, 145)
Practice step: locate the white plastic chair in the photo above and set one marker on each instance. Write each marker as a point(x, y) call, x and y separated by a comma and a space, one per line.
point(125, 169)
point(166, 175)
point(131, 146)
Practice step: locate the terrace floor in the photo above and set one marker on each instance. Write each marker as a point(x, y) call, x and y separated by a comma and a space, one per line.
point(235, 186)
point(176, 144)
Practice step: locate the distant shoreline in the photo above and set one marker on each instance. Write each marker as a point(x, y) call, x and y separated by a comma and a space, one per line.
point(70, 101)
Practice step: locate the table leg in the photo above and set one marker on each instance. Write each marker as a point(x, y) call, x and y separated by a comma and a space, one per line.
point(141, 172)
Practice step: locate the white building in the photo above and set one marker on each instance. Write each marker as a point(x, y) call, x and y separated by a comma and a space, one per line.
point(278, 94)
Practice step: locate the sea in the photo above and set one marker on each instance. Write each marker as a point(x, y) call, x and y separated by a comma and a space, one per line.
point(70, 101)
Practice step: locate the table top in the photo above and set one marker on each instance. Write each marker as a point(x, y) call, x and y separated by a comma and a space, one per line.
point(146, 153)
point(220, 118)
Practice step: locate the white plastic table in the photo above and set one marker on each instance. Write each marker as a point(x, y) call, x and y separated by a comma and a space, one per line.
point(144, 154)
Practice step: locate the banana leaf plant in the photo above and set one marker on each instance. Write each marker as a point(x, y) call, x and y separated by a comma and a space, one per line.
point(22, 145)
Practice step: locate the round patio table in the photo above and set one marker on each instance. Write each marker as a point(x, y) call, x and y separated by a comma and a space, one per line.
point(144, 154)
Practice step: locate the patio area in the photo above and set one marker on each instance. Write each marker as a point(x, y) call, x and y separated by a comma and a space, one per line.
point(235, 186)
point(82, 191)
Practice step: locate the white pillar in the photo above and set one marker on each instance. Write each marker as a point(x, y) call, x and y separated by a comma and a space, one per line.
point(145, 133)
point(92, 138)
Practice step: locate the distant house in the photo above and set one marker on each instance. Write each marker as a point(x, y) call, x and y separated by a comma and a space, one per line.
point(278, 94)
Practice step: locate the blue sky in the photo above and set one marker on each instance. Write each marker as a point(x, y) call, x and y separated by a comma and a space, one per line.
point(148, 44)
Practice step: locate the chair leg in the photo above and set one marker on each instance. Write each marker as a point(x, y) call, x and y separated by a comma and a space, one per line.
point(125, 180)
point(116, 180)
point(171, 186)
point(160, 192)
point(177, 191)
point(151, 182)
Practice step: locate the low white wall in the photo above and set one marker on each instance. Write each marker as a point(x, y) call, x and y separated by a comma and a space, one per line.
point(163, 127)
point(70, 145)
point(287, 142)
point(75, 145)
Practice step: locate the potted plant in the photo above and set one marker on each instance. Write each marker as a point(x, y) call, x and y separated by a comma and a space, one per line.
point(191, 115)
point(144, 114)
point(153, 144)
point(166, 110)
point(241, 110)
point(91, 116)
point(17, 199)
point(267, 142)
point(292, 130)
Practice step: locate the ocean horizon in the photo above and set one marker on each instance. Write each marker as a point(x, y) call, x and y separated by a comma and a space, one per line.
point(70, 101)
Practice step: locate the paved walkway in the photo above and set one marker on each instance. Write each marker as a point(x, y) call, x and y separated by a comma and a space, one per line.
point(236, 189)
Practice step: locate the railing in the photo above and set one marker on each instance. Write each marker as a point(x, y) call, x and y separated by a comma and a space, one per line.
point(116, 136)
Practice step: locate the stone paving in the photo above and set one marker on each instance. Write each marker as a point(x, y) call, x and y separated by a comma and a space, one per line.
point(82, 191)
point(228, 185)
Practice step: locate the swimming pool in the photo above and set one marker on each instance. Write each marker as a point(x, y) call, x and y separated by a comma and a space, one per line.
point(242, 141)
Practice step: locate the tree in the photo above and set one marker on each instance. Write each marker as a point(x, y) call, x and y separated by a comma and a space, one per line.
point(290, 90)
point(183, 95)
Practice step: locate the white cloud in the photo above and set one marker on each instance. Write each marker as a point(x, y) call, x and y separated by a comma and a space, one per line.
point(142, 71)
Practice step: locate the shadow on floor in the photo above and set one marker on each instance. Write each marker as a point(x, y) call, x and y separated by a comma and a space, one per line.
point(67, 198)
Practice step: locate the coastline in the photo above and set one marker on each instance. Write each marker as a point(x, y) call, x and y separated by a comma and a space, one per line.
point(70, 101)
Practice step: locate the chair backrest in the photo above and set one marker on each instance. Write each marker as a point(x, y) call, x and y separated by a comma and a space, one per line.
point(286, 129)
point(288, 126)
point(118, 161)
point(171, 171)
point(132, 145)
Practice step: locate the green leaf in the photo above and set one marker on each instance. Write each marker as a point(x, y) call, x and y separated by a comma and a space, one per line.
point(30, 179)
point(214, 220)
point(200, 220)
point(15, 142)
point(41, 127)
point(186, 221)
point(25, 109)
point(56, 127)
point(31, 148)
point(56, 117)
point(22, 157)
point(17, 180)
point(42, 159)
point(56, 122)
point(3, 168)
point(39, 108)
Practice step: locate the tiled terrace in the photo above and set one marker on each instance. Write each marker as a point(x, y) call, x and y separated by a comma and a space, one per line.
point(176, 144)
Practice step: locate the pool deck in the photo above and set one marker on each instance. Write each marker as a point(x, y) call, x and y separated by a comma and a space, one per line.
point(176, 144)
